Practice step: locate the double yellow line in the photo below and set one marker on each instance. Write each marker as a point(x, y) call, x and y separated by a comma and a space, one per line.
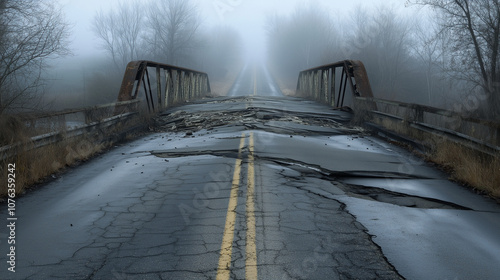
point(224, 268)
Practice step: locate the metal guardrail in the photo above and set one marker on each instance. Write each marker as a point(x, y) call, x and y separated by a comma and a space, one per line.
point(65, 119)
point(174, 85)
point(57, 136)
point(53, 127)
point(479, 134)
point(321, 83)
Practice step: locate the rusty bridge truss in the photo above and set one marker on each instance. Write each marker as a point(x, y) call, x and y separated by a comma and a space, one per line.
point(171, 84)
point(328, 83)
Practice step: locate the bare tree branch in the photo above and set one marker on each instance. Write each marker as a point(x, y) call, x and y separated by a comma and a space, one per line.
point(174, 30)
point(166, 31)
point(30, 33)
point(301, 40)
point(121, 31)
point(475, 26)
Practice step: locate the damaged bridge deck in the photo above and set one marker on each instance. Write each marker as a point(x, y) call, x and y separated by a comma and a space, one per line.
point(256, 187)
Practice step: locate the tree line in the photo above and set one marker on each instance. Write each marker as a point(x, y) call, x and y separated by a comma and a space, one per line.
point(167, 31)
point(170, 32)
point(445, 56)
point(31, 32)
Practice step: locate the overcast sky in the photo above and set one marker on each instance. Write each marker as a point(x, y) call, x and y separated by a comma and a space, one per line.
point(246, 16)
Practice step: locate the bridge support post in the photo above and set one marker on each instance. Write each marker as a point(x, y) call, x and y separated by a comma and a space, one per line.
point(324, 90)
point(167, 87)
point(177, 86)
point(158, 87)
point(317, 84)
point(332, 88)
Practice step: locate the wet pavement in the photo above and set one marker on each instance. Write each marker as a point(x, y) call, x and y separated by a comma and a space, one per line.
point(254, 186)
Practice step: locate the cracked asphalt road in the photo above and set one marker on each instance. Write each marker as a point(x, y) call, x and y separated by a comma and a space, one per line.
point(295, 191)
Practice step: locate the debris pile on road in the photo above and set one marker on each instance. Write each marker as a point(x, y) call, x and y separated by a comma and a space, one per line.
point(250, 117)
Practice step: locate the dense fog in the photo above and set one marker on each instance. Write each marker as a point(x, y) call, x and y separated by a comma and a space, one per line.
point(437, 53)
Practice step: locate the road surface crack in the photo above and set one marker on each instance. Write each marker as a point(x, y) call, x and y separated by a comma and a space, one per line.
point(358, 191)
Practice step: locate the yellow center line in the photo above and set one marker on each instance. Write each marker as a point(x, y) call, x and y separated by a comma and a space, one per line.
point(224, 268)
point(251, 250)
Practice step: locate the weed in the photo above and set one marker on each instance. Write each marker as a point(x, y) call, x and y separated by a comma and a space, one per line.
point(13, 130)
point(465, 165)
point(33, 165)
point(482, 172)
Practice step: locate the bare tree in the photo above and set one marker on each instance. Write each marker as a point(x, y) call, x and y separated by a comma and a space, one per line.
point(165, 31)
point(382, 40)
point(428, 52)
point(121, 32)
point(300, 41)
point(221, 52)
point(475, 29)
point(433, 54)
point(174, 30)
point(30, 32)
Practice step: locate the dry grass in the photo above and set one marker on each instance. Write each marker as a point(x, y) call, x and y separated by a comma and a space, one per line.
point(465, 165)
point(482, 172)
point(287, 91)
point(32, 166)
point(286, 86)
point(402, 128)
point(13, 130)
point(220, 88)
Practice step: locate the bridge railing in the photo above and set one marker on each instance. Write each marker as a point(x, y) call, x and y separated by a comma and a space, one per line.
point(329, 83)
point(71, 118)
point(41, 129)
point(324, 85)
point(169, 85)
point(480, 134)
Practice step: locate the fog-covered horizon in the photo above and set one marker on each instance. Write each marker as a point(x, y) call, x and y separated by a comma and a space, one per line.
point(411, 51)
point(246, 17)
point(254, 23)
